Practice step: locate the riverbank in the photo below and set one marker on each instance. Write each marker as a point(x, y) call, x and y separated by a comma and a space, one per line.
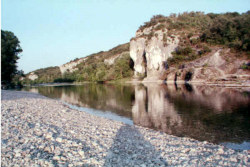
point(42, 131)
point(134, 82)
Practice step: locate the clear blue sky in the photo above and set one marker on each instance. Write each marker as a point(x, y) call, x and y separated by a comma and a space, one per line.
point(53, 32)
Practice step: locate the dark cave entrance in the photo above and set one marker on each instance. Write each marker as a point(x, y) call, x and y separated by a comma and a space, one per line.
point(188, 76)
point(131, 64)
point(175, 77)
point(144, 62)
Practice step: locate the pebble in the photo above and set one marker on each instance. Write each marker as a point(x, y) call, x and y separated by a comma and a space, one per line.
point(56, 158)
point(81, 153)
point(47, 149)
point(48, 136)
point(59, 140)
point(220, 151)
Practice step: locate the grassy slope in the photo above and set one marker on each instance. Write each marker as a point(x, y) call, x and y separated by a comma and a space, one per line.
point(92, 69)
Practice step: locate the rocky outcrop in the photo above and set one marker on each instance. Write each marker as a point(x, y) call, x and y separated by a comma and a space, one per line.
point(111, 60)
point(32, 76)
point(217, 67)
point(150, 51)
point(71, 66)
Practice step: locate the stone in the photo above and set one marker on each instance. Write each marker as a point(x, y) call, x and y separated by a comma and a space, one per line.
point(52, 148)
point(233, 159)
point(63, 159)
point(74, 144)
point(220, 151)
point(56, 158)
point(59, 140)
point(48, 136)
point(47, 149)
point(81, 153)
point(18, 155)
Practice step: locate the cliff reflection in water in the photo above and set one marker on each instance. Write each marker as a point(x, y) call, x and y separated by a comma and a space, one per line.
point(215, 114)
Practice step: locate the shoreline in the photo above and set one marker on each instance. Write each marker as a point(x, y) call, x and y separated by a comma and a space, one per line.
point(44, 131)
point(232, 85)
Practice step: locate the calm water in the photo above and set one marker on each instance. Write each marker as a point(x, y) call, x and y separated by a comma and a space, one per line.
point(215, 114)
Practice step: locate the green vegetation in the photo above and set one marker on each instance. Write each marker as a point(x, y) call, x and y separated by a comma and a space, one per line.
point(61, 80)
point(184, 54)
point(100, 71)
point(45, 75)
point(199, 32)
point(93, 69)
point(245, 66)
point(230, 29)
point(10, 49)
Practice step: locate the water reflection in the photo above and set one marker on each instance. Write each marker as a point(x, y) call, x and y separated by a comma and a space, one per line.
point(215, 114)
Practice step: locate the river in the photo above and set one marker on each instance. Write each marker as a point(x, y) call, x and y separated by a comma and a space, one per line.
point(219, 115)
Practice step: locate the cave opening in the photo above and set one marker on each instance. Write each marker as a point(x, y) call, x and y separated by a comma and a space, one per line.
point(175, 77)
point(144, 61)
point(131, 64)
point(188, 76)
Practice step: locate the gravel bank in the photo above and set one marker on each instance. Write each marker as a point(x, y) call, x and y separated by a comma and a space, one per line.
point(38, 131)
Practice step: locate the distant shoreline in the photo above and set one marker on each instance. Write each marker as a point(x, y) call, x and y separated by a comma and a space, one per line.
point(233, 85)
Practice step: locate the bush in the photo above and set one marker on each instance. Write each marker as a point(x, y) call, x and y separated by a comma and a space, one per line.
point(160, 27)
point(245, 66)
point(183, 51)
point(182, 54)
point(231, 29)
point(60, 80)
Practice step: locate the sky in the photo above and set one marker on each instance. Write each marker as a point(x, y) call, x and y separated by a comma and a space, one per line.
point(53, 32)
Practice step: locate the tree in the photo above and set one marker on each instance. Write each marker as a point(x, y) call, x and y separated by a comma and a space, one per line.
point(10, 49)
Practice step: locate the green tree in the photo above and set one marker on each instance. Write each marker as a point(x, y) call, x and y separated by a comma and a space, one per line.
point(10, 49)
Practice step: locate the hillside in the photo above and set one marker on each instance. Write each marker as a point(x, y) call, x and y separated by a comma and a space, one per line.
point(101, 66)
point(194, 47)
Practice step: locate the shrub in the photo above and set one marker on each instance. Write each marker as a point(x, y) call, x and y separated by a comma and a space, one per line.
point(183, 51)
point(160, 27)
point(245, 66)
point(229, 29)
point(60, 80)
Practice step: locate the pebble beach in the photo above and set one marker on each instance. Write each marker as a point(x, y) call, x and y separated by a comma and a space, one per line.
point(39, 131)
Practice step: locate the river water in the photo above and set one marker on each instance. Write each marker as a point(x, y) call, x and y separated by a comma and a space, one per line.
point(207, 113)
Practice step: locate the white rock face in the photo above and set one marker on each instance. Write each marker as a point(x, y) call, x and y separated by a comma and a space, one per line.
point(32, 76)
point(71, 66)
point(111, 60)
point(149, 55)
point(216, 60)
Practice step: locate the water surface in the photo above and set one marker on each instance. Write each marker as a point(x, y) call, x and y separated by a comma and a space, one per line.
point(206, 113)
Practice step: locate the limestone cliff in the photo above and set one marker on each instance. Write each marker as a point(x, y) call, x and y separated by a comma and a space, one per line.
point(219, 66)
point(71, 66)
point(150, 55)
point(174, 50)
point(32, 76)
